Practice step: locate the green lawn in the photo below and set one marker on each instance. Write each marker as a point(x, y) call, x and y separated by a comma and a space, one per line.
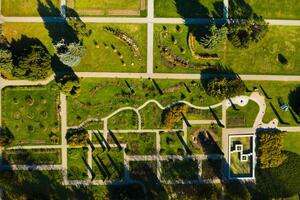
point(269, 9)
point(108, 165)
point(101, 97)
point(274, 91)
point(104, 51)
point(30, 114)
point(291, 142)
point(279, 40)
point(29, 8)
point(242, 116)
point(77, 164)
point(36, 156)
point(196, 114)
point(106, 4)
point(170, 143)
point(137, 143)
point(151, 117)
point(188, 8)
point(186, 169)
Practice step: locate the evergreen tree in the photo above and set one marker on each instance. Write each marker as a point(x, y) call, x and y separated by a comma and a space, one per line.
point(214, 37)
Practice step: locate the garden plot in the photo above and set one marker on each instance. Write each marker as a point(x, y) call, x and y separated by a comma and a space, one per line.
point(108, 165)
point(291, 142)
point(136, 143)
point(174, 170)
point(31, 156)
point(31, 115)
point(204, 139)
point(77, 163)
point(108, 8)
point(241, 158)
point(172, 143)
point(182, 52)
point(238, 116)
point(122, 48)
point(29, 8)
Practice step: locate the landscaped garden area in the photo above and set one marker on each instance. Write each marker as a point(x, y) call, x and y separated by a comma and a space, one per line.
point(107, 95)
point(241, 163)
point(31, 114)
point(125, 120)
point(137, 143)
point(29, 157)
point(108, 165)
point(269, 9)
point(77, 163)
point(272, 54)
point(106, 49)
point(186, 169)
point(204, 139)
point(28, 8)
point(238, 116)
point(171, 143)
point(188, 9)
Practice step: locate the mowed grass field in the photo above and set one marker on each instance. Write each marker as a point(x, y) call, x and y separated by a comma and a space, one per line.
point(101, 97)
point(105, 4)
point(260, 58)
point(28, 8)
point(31, 114)
point(104, 51)
point(272, 9)
point(291, 142)
point(188, 8)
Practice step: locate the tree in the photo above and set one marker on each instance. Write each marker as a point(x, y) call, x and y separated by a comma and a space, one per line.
point(70, 54)
point(69, 85)
point(270, 144)
point(77, 136)
point(6, 60)
point(6, 137)
point(214, 37)
point(173, 114)
point(34, 64)
point(244, 32)
point(225, 88)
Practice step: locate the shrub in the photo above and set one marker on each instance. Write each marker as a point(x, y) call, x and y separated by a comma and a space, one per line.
point(270, 144)
point(6, 62)
point(69, 85)
point(77, 136)
point(225, 88)
point(214, 37)
point(6, 138)
point(70, 54)
point(173, 114)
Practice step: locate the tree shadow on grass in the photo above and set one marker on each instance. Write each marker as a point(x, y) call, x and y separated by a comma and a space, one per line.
point(294, 100)
point(281, 121)
point(239, 9)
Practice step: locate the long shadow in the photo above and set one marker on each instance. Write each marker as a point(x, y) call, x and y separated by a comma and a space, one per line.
point(115, 140)
point(157, 87)
point(114, 164)
point(91, 144)
point(233, 105)
point(88, 166)
point(216, 117)
point(105, 142)
point(277, 114)
point(294, 116)
point(129, 87)
point(102, 171)
point(104, 167)
point(187, 149)
point(186, 121)
point(265, 93)
point(99, 141)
